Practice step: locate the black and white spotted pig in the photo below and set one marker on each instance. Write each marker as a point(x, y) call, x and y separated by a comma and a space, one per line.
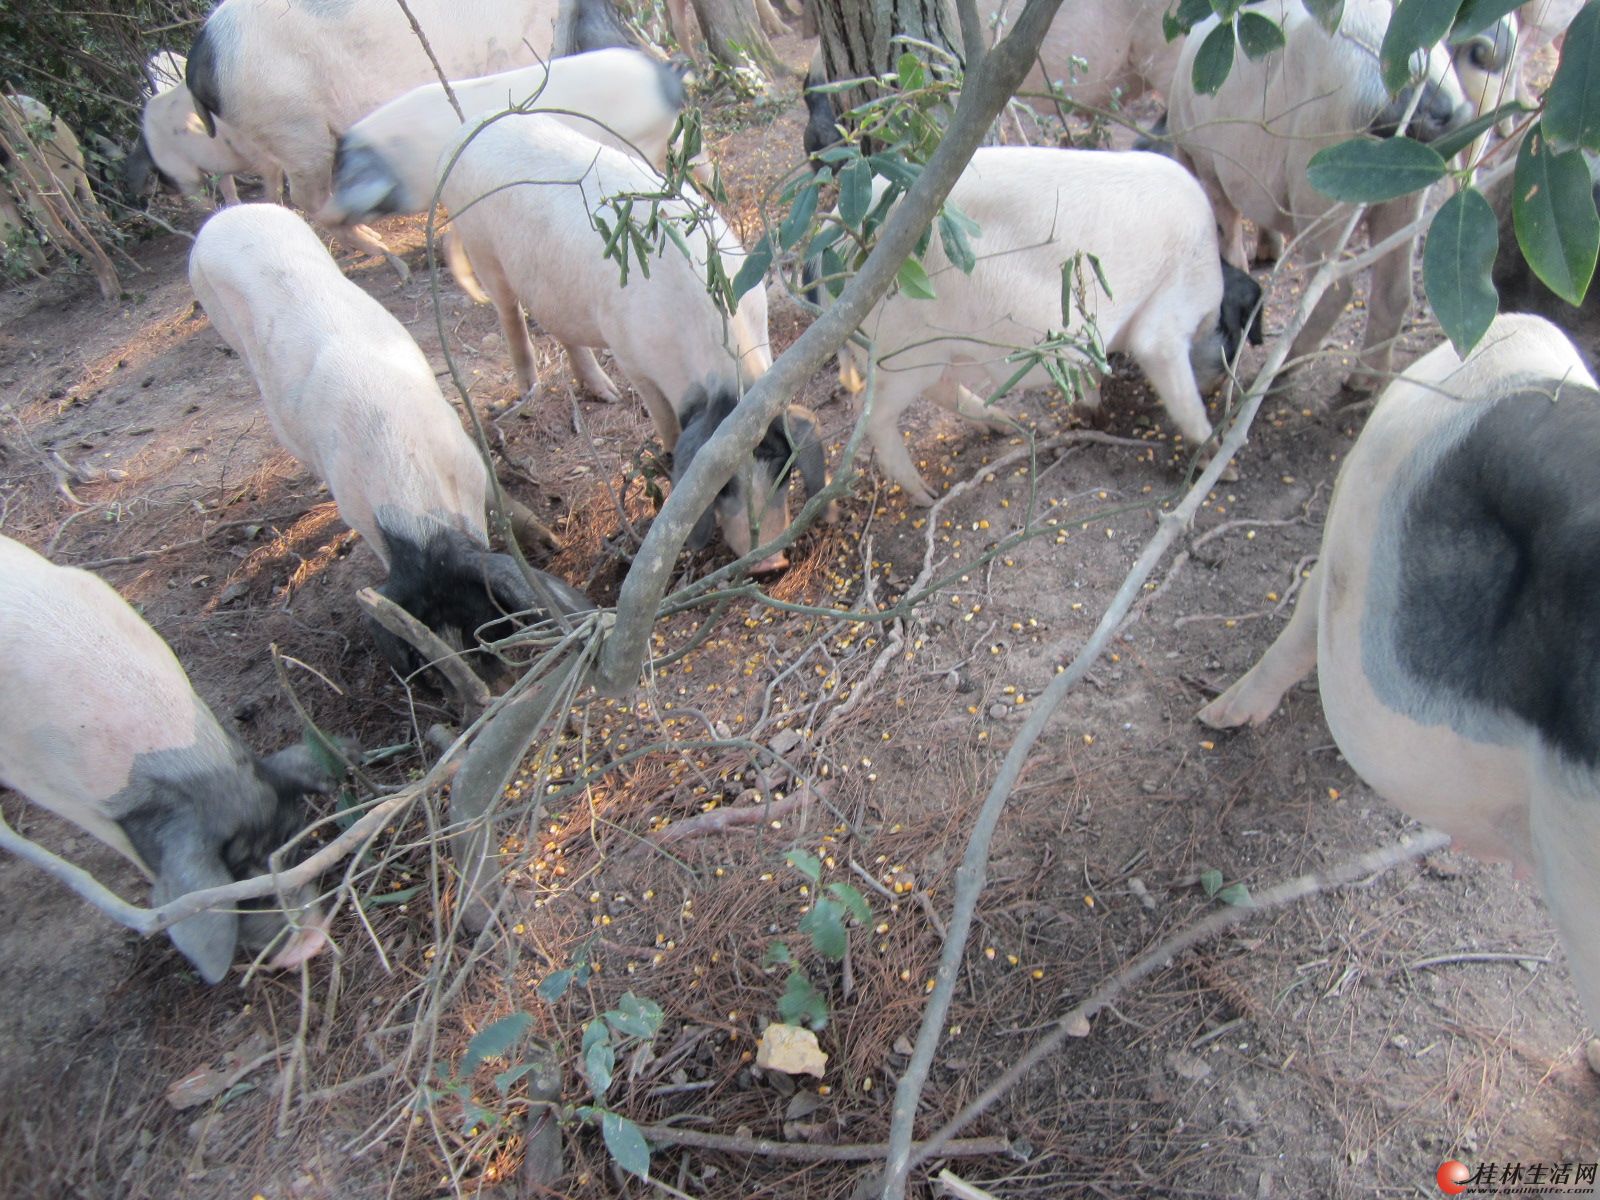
point(1452, 615)
point(98, 724)
point(351, 396)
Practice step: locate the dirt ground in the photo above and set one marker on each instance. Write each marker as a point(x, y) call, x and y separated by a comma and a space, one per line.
point(1311, 1052)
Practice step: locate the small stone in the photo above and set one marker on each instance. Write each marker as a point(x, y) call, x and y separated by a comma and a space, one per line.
point(1592, 1053)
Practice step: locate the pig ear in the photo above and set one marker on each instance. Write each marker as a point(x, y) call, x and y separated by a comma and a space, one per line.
point(808, 455)
point(207, 940)
point(300, 768)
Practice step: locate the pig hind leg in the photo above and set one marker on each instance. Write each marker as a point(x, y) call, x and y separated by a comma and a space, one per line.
point(952, 396)
point(894, 394)
point(1255, 695)
point(1565, 824)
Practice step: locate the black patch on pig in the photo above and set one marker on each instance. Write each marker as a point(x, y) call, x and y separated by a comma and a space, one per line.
point(671, 78)
point(457, 587)
point(365, 185)
point(142, 176)
point(778, 450)
point(200, 73)
point(822, 115)
point(1498, 603)
point(244, 811)
point(1240, 316)
point(1156, 139)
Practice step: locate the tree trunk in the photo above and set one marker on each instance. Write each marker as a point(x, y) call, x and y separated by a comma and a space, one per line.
point(858, 38)
point(734, 34)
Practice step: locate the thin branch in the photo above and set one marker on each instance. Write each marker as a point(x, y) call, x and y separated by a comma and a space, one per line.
point(720, 820)
point(1477, 956)
point(470, 690)
point(449, 92)
point(88, 888)
point(670, 1135)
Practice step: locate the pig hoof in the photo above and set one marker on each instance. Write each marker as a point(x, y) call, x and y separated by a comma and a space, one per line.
point(1228, 711)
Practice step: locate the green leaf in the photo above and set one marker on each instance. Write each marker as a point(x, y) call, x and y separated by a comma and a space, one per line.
point(1572, 105)
point(1100, 274)
point(1237, 895)
point(1328, 13)
point(855, 192)
point(554, 985)
point(641, 251)
point(833, 271)
point(895, 169)
point(399, 897)
point(956, 247)
point(1258, 36)
point(806, 863)
point(1211, 881)
point(676, 235)
point(914, 281)
point(911, 72)
point(1225, 8)
point(1364, 171)
point(628, 1148)
point(799, 219)
point(494, 1040)
point(635, 1017)
point(753, 269)
point(599, 1060)
point(1552, 206)
point(504, 1081)
point(1416, 25)
point(475, 1116)
point(1452, 144)
point(1477, 15)
point(1178, 21)
point(1456, 262)
point(854, 903)
point(825, 924)
point(1214, 60)
point(801, 1002)
point(777, 955)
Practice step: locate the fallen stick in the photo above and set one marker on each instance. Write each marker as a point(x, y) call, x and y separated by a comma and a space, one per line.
point(720, 820)
point(469, 689)
point(809, 1152)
